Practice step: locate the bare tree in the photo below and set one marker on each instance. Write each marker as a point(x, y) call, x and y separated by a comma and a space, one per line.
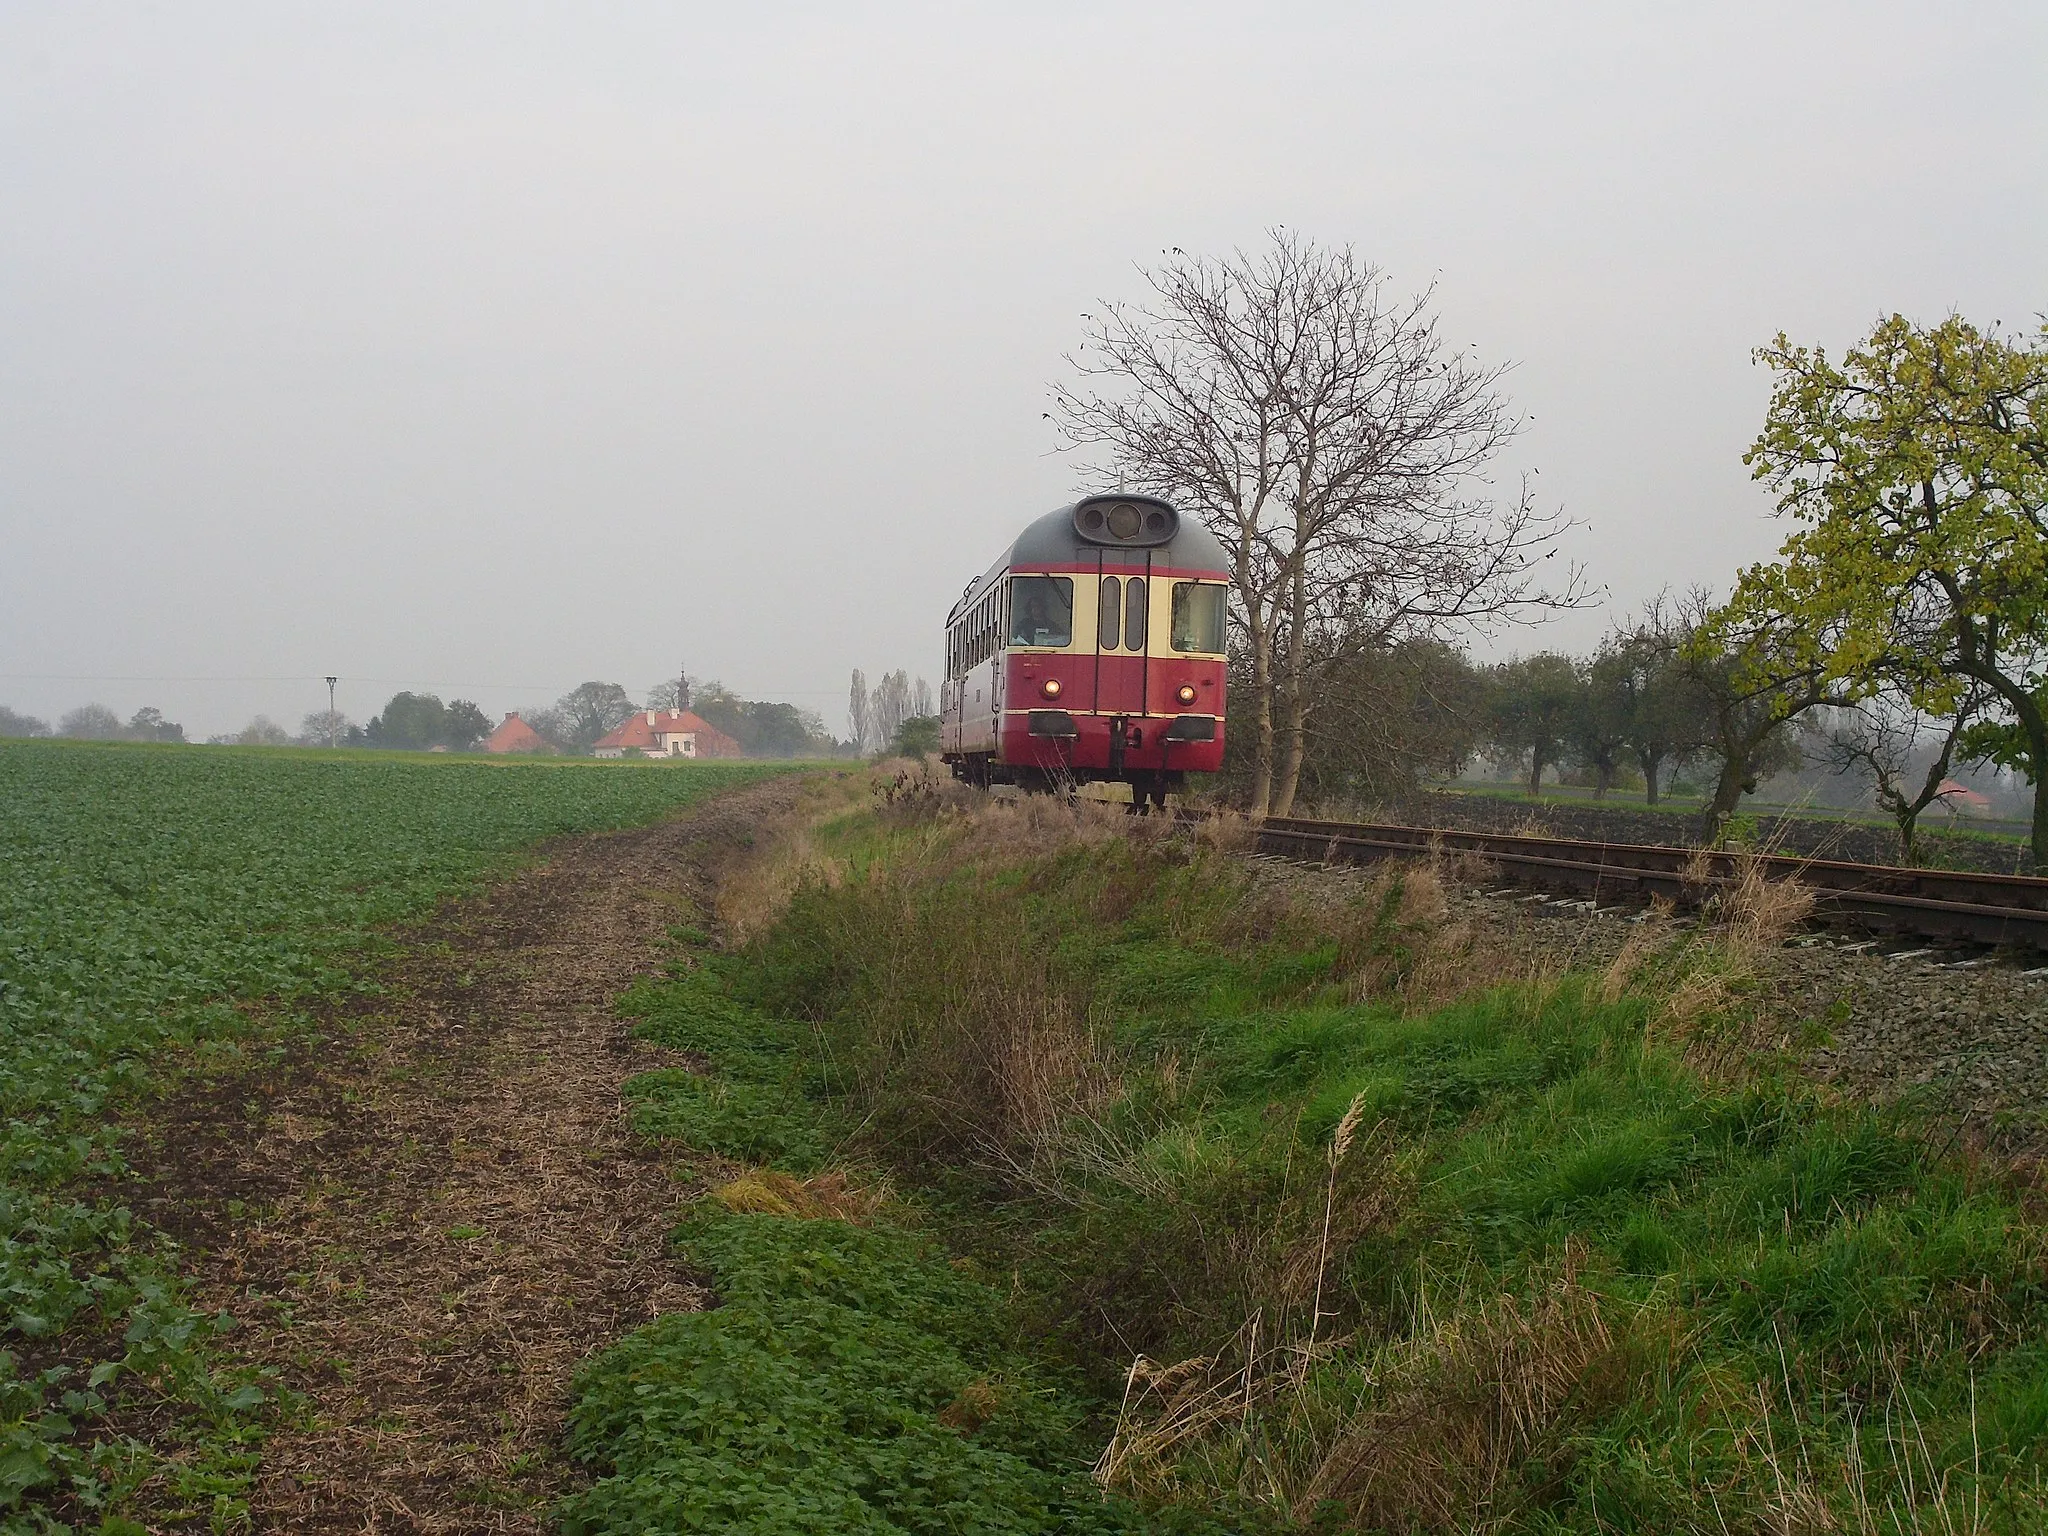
point(13, 723)
point(1334, 442)
point(860, 715)
point(326, 728)
point(91, 722)
point(921, 705)
point(890, 707)
point(1885, 737)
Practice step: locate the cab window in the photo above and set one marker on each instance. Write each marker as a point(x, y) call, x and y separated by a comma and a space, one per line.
point(1197, 616)
point(1134, 613)
point(1041, 610)
point(1109, 610)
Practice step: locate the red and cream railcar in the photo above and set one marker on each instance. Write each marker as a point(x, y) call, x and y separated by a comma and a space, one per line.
point(1092, 650)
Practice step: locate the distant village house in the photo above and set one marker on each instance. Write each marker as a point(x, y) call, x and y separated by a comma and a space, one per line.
point(515, 735)
point(667, 733)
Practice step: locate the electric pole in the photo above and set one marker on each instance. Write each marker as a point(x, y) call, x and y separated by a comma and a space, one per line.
point(330, 711)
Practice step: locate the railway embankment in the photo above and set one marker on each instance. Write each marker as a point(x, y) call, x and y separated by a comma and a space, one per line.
point(1092, 1171)
point(1961, 1034)
point(1808, 836)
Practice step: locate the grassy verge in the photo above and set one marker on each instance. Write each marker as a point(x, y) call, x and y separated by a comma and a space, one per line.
point(1333, 1228)
point(147, 896)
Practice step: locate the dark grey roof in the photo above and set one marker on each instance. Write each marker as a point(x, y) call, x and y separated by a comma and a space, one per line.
point(1051, 540)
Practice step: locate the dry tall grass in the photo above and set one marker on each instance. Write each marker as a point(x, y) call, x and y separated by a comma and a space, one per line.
point(1460, 1410)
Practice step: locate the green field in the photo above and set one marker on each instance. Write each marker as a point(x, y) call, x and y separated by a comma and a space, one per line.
point(144, 893)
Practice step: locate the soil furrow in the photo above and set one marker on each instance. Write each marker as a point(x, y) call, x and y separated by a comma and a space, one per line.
point(427, 1224)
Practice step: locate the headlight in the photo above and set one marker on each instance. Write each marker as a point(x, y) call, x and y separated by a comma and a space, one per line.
point(1186, 694)
point(1050, 687)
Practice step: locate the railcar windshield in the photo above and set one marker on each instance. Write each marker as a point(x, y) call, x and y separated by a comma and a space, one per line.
point(1198, 616)
point(1041, 610)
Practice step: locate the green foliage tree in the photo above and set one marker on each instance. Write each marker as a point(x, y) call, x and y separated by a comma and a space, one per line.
point(1749, 685)
point(410, 722)
point(1387, 719)
point(1531, 705)
point(917, 736)
point(463, 726)
point(762, 727)
point(1918, 467)
point(1601, 724)
point(149, 724)
point(1663, 710)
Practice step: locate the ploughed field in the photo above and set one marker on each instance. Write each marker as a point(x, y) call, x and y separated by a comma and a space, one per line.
point(167, 910)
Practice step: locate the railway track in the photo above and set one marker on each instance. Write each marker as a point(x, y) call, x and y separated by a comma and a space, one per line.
point(2000, 910)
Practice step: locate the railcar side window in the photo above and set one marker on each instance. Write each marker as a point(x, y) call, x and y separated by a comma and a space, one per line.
point(1041, 610)
point(1134, 614)
point(1109, 608)
point(1197, 616)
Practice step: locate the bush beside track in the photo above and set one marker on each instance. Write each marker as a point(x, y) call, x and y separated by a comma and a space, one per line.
point(148, 897)
point(1335, 1225)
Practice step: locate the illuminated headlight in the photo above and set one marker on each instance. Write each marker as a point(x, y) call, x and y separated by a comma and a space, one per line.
point(1050, 687)
point(1186, 694)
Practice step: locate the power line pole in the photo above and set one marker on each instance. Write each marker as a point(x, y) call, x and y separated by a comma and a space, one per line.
point(330, 711)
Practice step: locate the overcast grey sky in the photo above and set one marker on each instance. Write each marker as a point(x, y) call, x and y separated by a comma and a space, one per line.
point(490, 348)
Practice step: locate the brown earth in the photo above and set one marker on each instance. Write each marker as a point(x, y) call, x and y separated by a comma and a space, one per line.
point(428, 1223)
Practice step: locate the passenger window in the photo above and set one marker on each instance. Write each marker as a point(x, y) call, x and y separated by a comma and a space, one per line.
point(1041, 610)
point(1134, 614)
point(1108, 609)
point(1198, 613)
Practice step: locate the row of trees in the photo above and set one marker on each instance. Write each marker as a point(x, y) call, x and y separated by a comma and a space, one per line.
point(1656, 698)
point(876, 716)
point(1343, 451)
point(95, 722)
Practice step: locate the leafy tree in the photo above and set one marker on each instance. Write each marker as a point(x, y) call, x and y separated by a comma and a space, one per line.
point(13, 724)
point(91, 722)
point(917, 736)
point(410, 722)
point(762, 727)
point(149, 724)
point(463, 726)
point(1387, 720)
point(1918, 468)
point(1601, 724)
point(1664, 712)
point(1532, 703)
point(1750, 684)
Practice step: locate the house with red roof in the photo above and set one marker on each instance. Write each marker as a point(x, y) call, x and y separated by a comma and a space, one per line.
point(667, 733)
point(1962, 801)
point(515, 735)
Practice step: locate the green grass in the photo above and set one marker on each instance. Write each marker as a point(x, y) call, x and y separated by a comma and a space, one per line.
point(145, 892)
point(849, 1378)
point(1758, 1307)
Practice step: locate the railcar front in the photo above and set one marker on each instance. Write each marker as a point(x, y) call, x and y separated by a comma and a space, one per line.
point(1093, 650)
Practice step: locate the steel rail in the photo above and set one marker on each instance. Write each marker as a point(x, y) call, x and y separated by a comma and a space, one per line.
point(1935, 903)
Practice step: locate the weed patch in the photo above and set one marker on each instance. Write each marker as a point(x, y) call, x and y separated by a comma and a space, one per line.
point(1345, 1242)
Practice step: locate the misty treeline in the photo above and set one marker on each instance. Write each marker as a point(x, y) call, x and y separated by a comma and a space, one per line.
point(1657, 702)
point(1345, 453)
point(422, 722)
point(894, 715)
point(95, 722)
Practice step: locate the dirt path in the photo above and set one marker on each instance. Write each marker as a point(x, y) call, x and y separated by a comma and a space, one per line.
point(427, 1233)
